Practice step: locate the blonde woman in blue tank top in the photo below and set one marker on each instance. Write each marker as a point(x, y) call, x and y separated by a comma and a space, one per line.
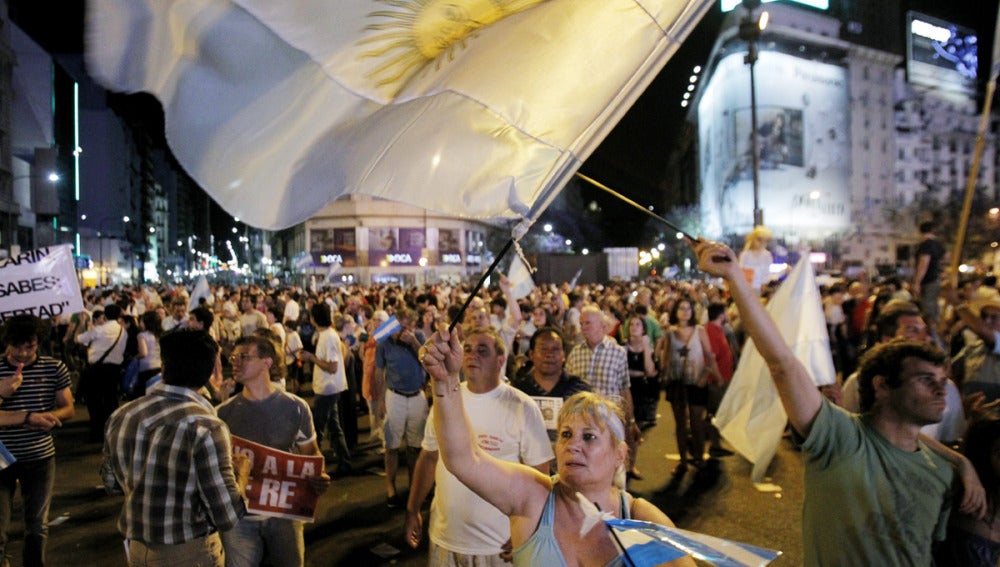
point(545, 513)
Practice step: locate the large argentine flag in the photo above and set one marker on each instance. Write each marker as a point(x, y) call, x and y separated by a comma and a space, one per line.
point(479, 108)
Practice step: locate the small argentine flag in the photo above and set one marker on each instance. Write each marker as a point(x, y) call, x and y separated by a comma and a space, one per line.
point(303, 261)
point(6, 459)
point(386, 329)
point(646, 544)
point(334, 268)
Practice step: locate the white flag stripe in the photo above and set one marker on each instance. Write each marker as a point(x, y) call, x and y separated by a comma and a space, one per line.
point(521, 282)
point(386, 329)
point(751, 417)
point(200, 290)
point(276, 108)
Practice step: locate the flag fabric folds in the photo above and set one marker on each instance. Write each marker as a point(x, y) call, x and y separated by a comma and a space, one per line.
point(521, 282)
point(200, 290)
point(478, 108)
point(648, 544)
point(751, 417)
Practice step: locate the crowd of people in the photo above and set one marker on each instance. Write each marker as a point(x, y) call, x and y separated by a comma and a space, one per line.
point(510, 417)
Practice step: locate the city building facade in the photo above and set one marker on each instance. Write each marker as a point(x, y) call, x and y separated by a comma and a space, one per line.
point(860, 135)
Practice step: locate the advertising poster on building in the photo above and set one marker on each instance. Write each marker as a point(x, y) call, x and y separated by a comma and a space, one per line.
point(802, 136)
point(395, 246)
point(279, 485)
point(449, 246)
point(329, 246)
point(345, 243)
point(321, 240)
point(40, 282)
point(412, 239)
point(382, 239)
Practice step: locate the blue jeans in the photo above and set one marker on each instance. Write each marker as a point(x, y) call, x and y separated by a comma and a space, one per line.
point(245, 544)
point(326, 414)
point(37, 480)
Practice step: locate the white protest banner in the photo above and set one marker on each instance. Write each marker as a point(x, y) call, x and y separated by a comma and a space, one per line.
point(279, 481)
point(40, 282)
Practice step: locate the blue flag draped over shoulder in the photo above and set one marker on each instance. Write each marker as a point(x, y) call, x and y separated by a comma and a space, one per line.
point(477, 108)
point(649, 544)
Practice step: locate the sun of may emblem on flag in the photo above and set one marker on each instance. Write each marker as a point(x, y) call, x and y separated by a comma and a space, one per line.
point(416, 32)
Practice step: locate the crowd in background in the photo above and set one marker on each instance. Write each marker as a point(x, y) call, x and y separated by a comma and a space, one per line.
point(681, 340)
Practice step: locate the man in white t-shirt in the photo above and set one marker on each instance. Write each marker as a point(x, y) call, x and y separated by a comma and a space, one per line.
point(329, 381)
point(465, 529)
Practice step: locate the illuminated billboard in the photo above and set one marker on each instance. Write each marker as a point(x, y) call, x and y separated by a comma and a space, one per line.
point(802, 136)
point(940, 54)
point(730, 5)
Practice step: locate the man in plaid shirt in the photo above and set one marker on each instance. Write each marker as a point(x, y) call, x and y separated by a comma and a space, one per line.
point(602, 362)
point(173, 459)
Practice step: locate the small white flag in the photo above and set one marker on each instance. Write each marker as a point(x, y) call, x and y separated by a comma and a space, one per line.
point(751, 417)
point(200, 290)
point(521, 283)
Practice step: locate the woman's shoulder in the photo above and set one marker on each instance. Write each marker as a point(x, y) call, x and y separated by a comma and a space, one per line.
point(646, 511)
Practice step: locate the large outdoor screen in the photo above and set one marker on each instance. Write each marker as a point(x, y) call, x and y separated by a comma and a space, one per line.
point(802, 135)
point(941, 55)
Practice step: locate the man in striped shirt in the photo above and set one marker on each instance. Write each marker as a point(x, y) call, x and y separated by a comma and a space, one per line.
point(173, 459)
point(39, 386)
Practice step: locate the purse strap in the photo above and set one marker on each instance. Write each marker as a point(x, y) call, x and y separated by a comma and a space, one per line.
point(107, 352)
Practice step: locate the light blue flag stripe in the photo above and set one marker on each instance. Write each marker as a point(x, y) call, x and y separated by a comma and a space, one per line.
point(385, 329)
point(6, 459)
point(650, 544)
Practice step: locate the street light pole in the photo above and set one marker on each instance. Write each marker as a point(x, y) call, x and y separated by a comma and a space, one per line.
point(750, 30)
point(100, 245)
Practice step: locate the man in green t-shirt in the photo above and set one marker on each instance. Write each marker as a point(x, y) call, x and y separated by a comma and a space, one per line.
point(875, 493)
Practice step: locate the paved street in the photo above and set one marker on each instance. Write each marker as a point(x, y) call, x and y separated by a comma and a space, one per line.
point(353, 518)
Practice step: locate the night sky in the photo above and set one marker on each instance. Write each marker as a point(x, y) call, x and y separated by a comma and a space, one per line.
point(631, 160)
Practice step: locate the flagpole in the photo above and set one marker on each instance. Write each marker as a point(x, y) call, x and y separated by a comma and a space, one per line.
point(970, 185)
point(693, 239)
point(479, 285)
point(648, 212)
point(611, 530)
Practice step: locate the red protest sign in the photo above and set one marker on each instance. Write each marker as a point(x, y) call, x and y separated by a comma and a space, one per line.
point(279, 484)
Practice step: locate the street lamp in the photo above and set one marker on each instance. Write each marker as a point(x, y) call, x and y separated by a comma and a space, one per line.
point(100, 243)
point(750, 30)
point(52, 177)
point(31, 195)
